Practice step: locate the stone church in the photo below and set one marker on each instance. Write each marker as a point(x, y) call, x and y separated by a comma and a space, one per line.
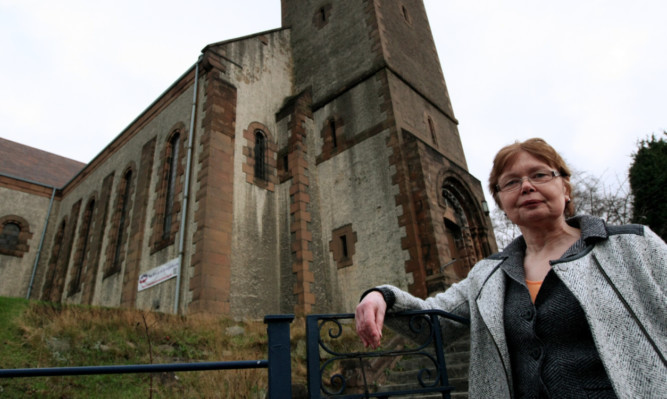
point(284, 172)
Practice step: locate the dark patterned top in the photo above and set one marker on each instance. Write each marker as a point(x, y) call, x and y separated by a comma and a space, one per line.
point(552, 352)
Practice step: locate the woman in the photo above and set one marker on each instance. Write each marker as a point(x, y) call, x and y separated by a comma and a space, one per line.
point(571, 309)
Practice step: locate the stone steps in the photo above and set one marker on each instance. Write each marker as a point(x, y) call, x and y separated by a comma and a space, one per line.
point(404, 375)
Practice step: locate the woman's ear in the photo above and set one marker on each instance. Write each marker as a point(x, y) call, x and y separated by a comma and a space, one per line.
point(567, 187)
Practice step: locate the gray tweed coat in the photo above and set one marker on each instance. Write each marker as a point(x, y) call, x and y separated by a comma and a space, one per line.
point(620, 283)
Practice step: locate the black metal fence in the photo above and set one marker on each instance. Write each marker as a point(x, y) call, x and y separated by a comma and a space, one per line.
point(278, 363)
point(332, 373)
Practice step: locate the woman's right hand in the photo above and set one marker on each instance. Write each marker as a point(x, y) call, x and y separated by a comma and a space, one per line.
point(369, 319)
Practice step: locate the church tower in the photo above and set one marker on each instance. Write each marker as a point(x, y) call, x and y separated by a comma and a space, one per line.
point(388, 184)
point(284, 172)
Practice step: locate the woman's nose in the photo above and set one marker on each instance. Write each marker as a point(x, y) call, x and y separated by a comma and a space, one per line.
point(527, 185)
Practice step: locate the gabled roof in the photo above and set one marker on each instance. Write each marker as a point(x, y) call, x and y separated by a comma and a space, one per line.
point(28, 163)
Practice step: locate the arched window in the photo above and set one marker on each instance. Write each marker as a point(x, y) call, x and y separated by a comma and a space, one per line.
point(75, 284)
point(260, 155)
point(51, 274)
point(169, 189)
point(261, 158)
point(119, 225)
point(127, 179)
point(172, 162)
point(9, 238)
point(14, 235)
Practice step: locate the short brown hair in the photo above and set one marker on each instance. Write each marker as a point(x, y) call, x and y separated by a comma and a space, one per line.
point(539, 149)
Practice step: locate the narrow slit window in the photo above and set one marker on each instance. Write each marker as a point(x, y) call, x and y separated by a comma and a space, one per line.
point(172, 161)
point(334, 139)
point(343, 247)
point(406, 15)
point(431, 128)
point(123, 217)
point(260, 155)
point(88, 218)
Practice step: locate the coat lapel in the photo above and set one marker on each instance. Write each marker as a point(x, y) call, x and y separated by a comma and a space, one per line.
point(490, 305)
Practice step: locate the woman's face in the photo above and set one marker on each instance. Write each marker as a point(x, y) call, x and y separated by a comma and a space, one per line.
point(532, 204)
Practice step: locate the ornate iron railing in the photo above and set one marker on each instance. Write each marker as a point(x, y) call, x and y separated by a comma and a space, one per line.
point(336, 371)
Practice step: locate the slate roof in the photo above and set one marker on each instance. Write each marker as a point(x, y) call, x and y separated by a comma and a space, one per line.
point(22, 161)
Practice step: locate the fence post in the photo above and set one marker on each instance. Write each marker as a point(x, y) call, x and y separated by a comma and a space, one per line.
point(313, 356)
point(280, 366)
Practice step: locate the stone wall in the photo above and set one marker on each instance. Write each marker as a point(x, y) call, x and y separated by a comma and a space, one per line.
point(32, 209)
point(99, 182)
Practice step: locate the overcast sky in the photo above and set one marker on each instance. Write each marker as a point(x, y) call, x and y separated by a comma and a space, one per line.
point(587, 76)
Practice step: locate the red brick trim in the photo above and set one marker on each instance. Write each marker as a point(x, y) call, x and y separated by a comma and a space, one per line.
point(164, 236)
point(30, 188)
point(210, 263)
point(422, 173)
point(21, 246)
point(421, 243)
point(342, 245)
point(283, 165)
point(406, 177)
point(374, 26)
point(248, 166)
point(300, 216)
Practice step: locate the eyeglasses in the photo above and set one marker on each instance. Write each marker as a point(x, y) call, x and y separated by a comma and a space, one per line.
point(537, 177)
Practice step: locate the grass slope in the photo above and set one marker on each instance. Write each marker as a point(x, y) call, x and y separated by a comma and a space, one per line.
point(35, 334)
point(41, 334)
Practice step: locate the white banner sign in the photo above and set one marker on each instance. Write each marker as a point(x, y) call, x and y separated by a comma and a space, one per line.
point(158, 275)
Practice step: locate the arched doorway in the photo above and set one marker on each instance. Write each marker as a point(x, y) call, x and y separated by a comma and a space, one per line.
point(464, 233)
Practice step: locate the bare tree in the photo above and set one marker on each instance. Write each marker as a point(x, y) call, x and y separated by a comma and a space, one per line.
point(504, 229)
point(592, 196)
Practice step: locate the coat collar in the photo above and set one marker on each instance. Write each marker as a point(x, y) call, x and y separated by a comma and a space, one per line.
point(593, 229)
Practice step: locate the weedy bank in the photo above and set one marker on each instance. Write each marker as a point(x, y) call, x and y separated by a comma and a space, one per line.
point(38, 334)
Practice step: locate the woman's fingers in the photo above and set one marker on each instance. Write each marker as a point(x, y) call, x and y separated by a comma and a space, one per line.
point(369, 318)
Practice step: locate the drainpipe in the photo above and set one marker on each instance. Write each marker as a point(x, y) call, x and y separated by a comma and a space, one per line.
point(41, 242)
point(186, 190)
